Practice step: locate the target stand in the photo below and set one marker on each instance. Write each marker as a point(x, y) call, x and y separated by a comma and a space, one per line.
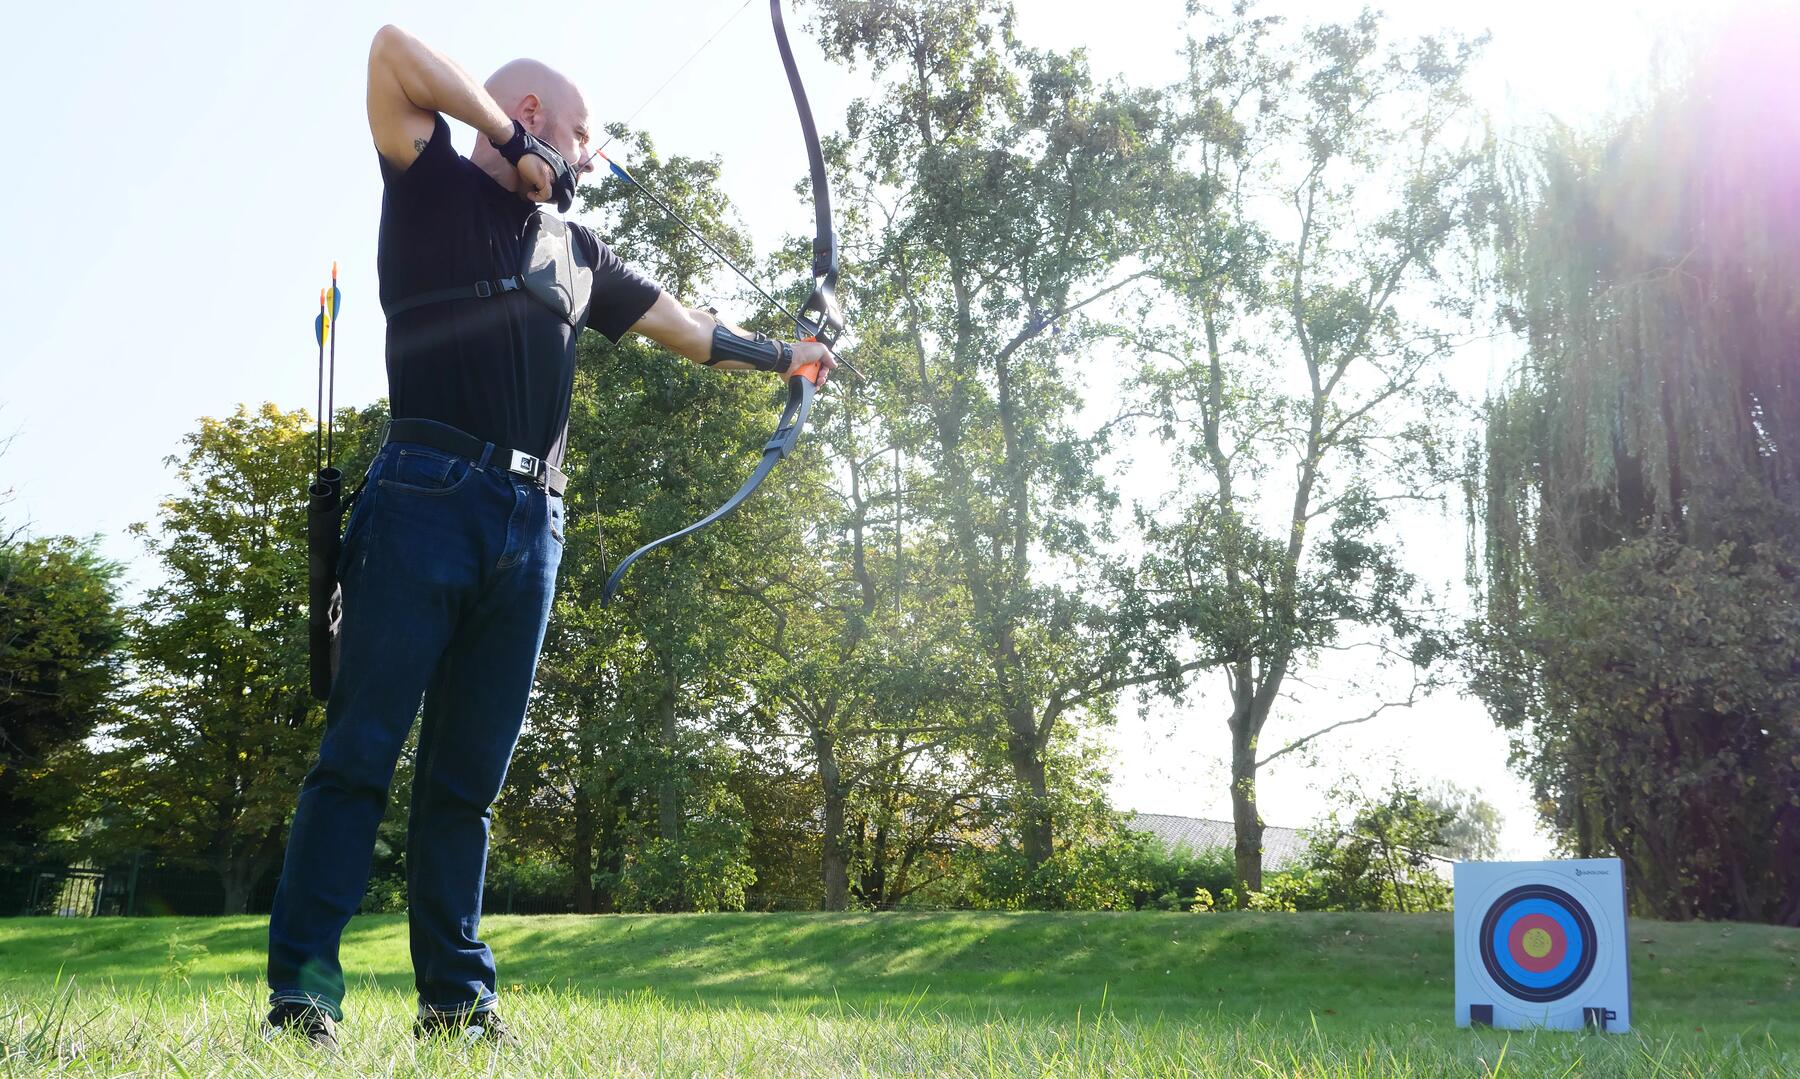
point(1542, 944)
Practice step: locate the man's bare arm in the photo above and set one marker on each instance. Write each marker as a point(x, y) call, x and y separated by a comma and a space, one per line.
point(409, 82)
point(682, 330)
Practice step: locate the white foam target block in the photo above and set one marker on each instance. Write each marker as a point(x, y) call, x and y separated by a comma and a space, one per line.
point(1542, 944)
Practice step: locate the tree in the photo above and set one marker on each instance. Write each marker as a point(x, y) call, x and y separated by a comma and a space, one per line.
point(1002, 188)
point(870, 686)
point(1298, 384)
point(210, 744)
point(629, 696)
point(60, 626)
point(1472, 824)
point(1637, 490)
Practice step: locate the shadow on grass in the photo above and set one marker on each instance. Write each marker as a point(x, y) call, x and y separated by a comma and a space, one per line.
point(1340, 968)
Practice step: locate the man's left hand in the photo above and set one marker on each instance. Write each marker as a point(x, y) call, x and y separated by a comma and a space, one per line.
point(806, 352)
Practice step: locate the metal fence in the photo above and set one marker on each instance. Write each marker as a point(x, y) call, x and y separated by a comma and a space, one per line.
point(72, 892)
point(137, 887)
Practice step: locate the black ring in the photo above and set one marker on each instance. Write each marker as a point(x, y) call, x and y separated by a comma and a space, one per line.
point(1583, 924)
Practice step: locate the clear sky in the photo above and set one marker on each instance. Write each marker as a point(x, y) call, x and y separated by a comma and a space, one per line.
point(184, 175)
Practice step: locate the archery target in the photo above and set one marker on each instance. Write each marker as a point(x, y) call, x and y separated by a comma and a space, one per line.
point(1541, 944)
point(1537, 943)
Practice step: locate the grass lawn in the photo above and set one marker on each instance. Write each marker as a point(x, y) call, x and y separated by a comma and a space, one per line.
point(962, 994)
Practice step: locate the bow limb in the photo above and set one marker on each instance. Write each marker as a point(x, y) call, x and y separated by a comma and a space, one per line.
point(820, 319)
point(787, 435)
point(821, 308)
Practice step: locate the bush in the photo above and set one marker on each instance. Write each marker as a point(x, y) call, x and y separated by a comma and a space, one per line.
point(526, 882)
point(1105, 867)
point(707, 869)
point(385, 895)
point(1381, 858)
point(1287, 891)
point(1168, 875)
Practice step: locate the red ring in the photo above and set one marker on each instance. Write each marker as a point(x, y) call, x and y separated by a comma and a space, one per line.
point(1559, 943)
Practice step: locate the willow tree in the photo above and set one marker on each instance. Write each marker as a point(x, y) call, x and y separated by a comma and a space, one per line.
point(1642, 572)
point(1331, 184)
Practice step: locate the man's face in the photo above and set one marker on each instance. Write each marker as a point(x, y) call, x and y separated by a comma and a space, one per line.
point(567, 131)
point(582, 160)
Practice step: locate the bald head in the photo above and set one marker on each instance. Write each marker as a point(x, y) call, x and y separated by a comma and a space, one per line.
point(522, 78)
point(546, 101)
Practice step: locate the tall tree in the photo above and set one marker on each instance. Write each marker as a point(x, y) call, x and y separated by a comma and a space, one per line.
point(211, 743)
point(875, 699)
point(866, 673)
point(1299, 384)
point(1003, 186)
point(629, 694)
point(1639, 487)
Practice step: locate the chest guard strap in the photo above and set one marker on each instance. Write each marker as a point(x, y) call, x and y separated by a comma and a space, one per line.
point(550, 274)
point(480, 290)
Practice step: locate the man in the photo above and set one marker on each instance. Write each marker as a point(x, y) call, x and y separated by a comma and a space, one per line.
point(451, 552)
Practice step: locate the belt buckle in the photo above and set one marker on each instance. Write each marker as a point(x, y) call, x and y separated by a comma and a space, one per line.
point(525, 464)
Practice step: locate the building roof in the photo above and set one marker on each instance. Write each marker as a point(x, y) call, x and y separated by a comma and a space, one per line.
point(1283, 848)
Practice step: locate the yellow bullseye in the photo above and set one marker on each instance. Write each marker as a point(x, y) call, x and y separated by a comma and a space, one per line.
point(1536, 943)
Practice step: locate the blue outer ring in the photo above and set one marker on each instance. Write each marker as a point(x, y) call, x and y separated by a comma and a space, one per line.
point(1578, 928)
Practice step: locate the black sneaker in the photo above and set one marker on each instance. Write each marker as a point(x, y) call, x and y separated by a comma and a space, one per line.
point(484, 1026)
point(314, 1024)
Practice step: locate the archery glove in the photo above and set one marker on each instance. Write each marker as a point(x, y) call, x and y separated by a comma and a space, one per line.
point(562, 188)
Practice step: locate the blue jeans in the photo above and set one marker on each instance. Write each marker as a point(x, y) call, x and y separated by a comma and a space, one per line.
point(448, 569)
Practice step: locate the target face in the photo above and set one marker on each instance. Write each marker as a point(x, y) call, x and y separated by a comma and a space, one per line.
point(1537, 943)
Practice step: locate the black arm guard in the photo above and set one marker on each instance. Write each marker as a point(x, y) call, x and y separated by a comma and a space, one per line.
point(523, 142)
point(759, 352)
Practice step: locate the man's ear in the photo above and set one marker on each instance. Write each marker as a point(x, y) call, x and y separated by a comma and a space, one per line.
point(531, 113)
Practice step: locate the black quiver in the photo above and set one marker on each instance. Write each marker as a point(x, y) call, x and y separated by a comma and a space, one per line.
point(325, 597)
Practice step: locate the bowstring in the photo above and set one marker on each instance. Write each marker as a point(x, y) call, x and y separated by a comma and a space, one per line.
point(805, 331)
point(665, 84)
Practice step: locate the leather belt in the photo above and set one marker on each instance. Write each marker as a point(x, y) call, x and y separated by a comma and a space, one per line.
point(442, 436)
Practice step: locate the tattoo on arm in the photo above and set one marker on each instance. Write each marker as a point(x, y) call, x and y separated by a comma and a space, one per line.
point(420, 144)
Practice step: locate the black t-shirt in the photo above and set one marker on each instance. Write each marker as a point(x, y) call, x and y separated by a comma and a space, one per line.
point(500, 368)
